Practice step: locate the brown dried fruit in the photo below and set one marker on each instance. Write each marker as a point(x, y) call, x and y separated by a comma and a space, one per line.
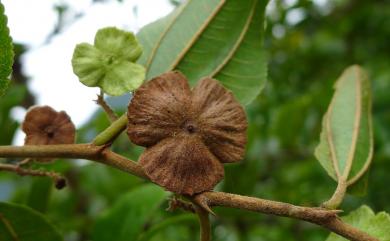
point(60, 183)
point(45, 126)
point(188, 134)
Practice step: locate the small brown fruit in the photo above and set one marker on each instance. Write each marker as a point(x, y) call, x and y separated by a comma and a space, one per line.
point(60, 183)
point(188, 134)
point(45, 126)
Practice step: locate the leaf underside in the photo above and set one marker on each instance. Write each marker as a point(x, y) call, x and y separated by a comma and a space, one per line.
point(215, 38)
point(346, 142)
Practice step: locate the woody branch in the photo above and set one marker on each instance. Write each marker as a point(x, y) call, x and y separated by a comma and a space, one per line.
point(102, 154)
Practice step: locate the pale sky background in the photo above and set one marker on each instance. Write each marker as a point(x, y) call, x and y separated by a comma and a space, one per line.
point(48, 64)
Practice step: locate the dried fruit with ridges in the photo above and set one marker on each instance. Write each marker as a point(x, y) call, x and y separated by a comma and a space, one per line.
point(45, 126)
point(188, 134)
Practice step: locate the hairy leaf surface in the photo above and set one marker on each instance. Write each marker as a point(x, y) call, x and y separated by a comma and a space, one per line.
point(346, 146)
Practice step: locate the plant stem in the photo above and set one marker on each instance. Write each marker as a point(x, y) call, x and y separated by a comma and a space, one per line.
point(337, 197)
point(28, 172)
point(110, 113)
point(204, 221)
point(109, 134)
point(76, 151)
point(323, 217)
point(83, 151)
point(122, 163)
point(24, 162)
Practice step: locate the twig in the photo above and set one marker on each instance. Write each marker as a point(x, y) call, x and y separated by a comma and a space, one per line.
point(323, 217)
point(337, 197)
point(122, 163)
point(24, 161)
point(58, 179)
point(76, 151)
point(110, 113)
point(204, 221)
point(263, 205)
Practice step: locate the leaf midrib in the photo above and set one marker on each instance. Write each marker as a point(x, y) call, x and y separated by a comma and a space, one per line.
point(355, 133)
point(238, 42)
point(356, 127)
point(232, 51)
point(163, 34)
point(371, 151)
point(197, 34)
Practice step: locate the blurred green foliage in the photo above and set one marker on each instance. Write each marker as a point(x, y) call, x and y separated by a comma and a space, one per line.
point(309, 44)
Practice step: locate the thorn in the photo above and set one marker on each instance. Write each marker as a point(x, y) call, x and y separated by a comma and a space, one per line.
point(333, 211)
point(203, 203)
point(337, 211)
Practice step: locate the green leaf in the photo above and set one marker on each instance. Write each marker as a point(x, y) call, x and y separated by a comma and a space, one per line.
point(39, 195)
point(7, 53)
point(126, 218)
point(20, 223)
point(346, 145)
point(109, 63)
point(217, 38)
point(364, 219)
